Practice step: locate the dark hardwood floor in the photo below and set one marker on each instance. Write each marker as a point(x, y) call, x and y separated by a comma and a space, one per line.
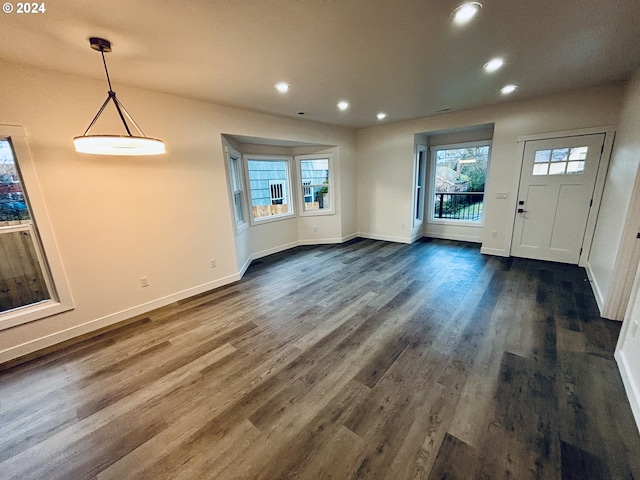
point(363, 360)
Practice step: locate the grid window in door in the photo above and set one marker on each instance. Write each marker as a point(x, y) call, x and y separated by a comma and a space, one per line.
point(560, 161)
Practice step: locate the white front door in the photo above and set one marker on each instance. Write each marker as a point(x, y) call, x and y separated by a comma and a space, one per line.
point(555, 195)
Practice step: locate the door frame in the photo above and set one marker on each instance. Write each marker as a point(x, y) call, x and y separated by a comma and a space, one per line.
point(609, 134)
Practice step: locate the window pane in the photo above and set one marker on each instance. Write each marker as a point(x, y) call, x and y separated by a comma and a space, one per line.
point(459, 183)
point(542, 156)
point(237, 203)
point(13, 204)
point(269, 184)
point(234, 173)
point(578, 153)
point(316, 171)
point(559, 154)
point(540, 169)
point(22, 280)
point(557, 168)
point(318, 199)
point(575, 167)
point(315, 184)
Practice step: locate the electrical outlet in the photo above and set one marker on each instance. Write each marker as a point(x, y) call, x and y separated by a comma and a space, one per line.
point(144, 282)
point(315, 229)
point(212, 263)
point(494, 234)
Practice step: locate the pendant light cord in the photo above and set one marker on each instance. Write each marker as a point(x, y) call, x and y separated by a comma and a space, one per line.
point(105, 67)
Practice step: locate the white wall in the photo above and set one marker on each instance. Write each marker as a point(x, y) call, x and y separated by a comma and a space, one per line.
point(385, 158)
point(117, 219)
point(612, 260)
point(628, 350)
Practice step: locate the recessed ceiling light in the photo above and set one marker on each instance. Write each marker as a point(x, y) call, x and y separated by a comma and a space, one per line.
point(493, 65)
point(282, 87)
point(465, 12)
point(507, 89)
point(343, 105)
point(381, 116)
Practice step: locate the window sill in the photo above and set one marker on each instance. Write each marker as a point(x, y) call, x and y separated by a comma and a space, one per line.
point(272, 218)
point(31, 313)
point(457, 223)
point(313, 213)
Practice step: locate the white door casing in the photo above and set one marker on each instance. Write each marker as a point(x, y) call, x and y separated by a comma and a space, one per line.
point(555, 195)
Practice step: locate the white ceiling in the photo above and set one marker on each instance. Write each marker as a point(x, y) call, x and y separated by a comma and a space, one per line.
point(403, 57)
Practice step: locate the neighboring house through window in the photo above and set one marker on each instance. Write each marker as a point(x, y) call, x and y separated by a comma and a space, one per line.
point(269, 187)
point(316, 187)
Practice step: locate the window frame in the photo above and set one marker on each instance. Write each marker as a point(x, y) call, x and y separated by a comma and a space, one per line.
point(431, 190)
point(301, 187)
point(232, 154)
point(419, 184)
point(247, 157)
point(44, 240)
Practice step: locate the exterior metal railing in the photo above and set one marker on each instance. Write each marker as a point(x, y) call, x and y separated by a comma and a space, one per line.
point(466, 206)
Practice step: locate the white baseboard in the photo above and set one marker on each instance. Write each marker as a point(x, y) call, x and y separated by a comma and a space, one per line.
point(597, 293)
point(321, 241)
point(106, 321)
point(498, 252)
point(386, 238)
point(349, 237)
point(449, 236)
point(416, 237)
point(630, 386)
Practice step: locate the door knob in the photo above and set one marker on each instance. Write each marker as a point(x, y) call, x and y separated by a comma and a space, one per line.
point(522, 210)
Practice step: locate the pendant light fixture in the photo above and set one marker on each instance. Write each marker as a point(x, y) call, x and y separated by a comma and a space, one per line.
point(115, 144)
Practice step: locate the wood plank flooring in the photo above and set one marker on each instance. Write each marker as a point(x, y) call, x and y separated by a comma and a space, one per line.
point(366, 360)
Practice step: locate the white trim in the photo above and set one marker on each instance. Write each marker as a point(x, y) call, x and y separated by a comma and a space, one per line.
point(321, 241)
point(430, 187)
point(300, 189)
point(567, 133)
point(61, 299)
point(349, 237)
point(232, 152)
point(93, 325)
point(630, 386)
point(290, 196)
point(453, 236)
point(386, 238)
point(416, 236)
point(597, 293)
point(498, 252)
point(416, 222)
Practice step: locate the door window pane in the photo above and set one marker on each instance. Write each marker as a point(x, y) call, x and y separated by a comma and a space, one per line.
point(559, 154)
point(554, 162)
point(542, 156)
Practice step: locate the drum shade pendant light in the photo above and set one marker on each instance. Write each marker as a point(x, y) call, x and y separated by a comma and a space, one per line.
point(125, 145)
